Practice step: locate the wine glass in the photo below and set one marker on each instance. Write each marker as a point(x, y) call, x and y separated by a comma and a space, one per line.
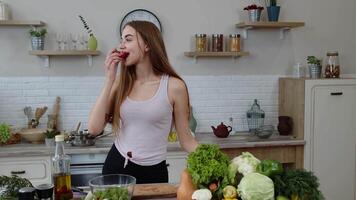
point(59, 40)
point(82, 42)
point(75, 38)
point(65, 41)
point(85, 39)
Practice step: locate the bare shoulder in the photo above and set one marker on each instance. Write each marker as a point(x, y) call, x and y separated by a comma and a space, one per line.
point(176, 85)
point(176, 90)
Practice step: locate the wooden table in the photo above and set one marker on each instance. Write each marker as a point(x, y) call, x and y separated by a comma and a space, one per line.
point(150, 191)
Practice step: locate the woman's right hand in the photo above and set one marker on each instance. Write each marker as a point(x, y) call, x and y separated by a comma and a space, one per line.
point(111, 63)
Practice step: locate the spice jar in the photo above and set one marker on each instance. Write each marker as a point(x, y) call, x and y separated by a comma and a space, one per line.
point(217, 42)
point(332, 69)
point(201, 42)
point(234, 42)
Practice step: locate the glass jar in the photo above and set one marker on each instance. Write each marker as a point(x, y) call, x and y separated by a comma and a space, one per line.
point(217, 43)
point(255, 117)
point(201, 42)
point(298, 70)
point(234, 43)
point(332, 69)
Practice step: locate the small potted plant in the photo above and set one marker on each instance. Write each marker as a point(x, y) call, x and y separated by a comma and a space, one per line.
point(50, 134)
point(37, 38)
point(254, 12)
point(272, 10)
point(5, 133)
point(314, 65)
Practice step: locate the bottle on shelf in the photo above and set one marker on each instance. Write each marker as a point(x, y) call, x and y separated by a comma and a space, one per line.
point(61, 171)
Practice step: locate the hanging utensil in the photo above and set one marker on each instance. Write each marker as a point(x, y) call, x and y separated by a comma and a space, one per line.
point(28, 112)
point(38, 114)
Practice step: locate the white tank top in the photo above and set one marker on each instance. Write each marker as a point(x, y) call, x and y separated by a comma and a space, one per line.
point(145, 126)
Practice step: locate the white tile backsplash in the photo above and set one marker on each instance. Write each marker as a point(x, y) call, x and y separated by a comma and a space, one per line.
point(214, 98)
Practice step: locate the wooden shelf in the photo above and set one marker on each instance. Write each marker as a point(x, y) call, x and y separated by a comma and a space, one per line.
point(215, 54)
point(270, 24)
point(65, 53)
point(45, 54)
point(21, 23)
point(196, 54)
point(282, 26)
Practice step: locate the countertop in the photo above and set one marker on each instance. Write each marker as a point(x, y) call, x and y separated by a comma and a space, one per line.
point(103, 145)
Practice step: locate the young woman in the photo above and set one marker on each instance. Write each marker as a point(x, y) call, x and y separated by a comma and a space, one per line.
point(144, 101)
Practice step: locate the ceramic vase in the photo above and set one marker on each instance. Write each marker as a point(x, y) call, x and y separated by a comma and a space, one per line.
point(273, 13)
point(285, 125)
point(92, 43)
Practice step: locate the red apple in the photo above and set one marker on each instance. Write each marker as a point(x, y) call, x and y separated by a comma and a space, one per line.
point(123, 54)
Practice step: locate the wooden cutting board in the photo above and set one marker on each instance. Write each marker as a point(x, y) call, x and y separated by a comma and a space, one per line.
point(152, 191)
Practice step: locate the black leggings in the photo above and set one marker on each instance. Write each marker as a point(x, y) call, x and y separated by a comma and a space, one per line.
point(114, 164)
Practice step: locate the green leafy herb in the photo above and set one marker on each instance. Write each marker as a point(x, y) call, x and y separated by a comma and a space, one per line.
point(313, 60)
point(9, 185)
point(298, 182)
point(34, 32)
point(86, 26)
point(116, 193)
point(51, 133)
point(5, 132)
point(207, 164)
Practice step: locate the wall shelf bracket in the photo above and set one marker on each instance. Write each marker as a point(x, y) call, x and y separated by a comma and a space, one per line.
point(282, 32)
point(45, 61)
point(245, 31)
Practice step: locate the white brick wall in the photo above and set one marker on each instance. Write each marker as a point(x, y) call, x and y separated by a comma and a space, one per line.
point(214, 98)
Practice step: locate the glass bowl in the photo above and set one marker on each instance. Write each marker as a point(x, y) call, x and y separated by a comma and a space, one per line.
point(113, 186)
point(264, 131)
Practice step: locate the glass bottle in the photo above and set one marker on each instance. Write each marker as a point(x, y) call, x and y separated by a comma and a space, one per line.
point(255, 117)
point(332, 69)
point(61, 171)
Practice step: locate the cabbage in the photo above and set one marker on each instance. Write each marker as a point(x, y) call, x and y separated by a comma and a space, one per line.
point(244, 163)
point(255, 186)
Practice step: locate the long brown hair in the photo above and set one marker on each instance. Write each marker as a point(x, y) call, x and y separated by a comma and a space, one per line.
point(160, 65)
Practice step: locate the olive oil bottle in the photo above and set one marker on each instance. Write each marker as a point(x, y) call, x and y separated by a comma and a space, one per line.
point(61, 171)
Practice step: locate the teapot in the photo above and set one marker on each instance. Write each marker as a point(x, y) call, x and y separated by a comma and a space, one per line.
point(221, 131)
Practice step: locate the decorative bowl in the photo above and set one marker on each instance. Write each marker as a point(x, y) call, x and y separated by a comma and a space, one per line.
point(112, 186)
point(33, 135)
point(264, 131)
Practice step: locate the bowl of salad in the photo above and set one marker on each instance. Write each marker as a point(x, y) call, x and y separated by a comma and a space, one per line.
point(113, 186)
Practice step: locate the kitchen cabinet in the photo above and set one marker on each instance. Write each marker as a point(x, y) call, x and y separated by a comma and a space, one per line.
point(176, 163)
point(324, 113)
point(37, 169)
point(290, 156)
